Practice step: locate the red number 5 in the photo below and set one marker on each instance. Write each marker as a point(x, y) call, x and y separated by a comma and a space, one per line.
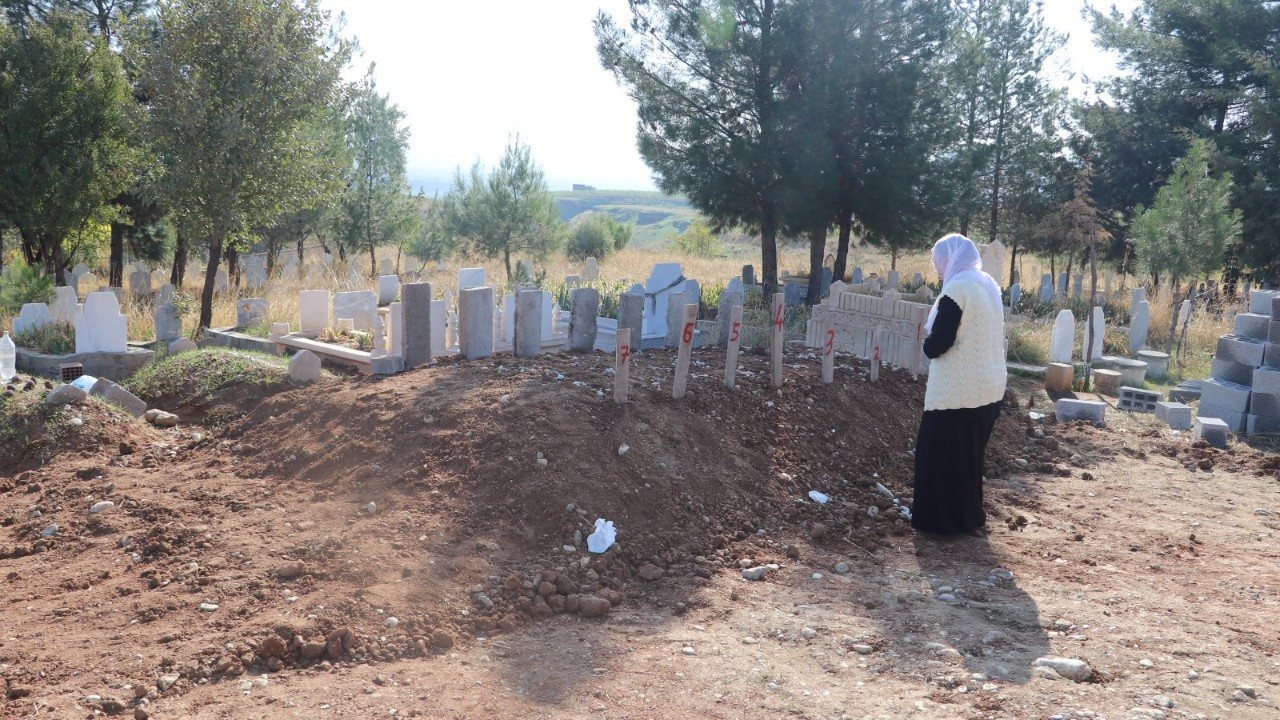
point(734, 336)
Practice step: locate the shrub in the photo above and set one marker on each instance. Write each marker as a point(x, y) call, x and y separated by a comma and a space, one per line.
point(22, 284)
point(697, 241)
point(55, 338)
point(596, 235)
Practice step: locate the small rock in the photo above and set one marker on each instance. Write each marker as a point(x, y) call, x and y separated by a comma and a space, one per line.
point(291, 570)
point(304, 367)
point(1021, 462)
point(1069, 668)
point(591, 606)
point(687, 650)
point(650, 572)
point(371, 508)
point(755, 573)
point(49, 531)
point(1146, 663)
point(842, 568)
point(884, 491)
point(623, 448)
point(64, 395)
point(946, 597)
point(393, 622)
point(101, 506)
point(1248, 691)
point(208, 607)
point(166, 681)
point(863, 649)
point(808, 633)
point(166, 419)
point(818, 531)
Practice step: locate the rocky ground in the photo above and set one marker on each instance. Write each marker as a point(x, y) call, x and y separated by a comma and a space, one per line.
point(415, 546)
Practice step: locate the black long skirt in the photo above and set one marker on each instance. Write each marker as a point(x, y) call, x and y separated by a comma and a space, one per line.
point(950, 451)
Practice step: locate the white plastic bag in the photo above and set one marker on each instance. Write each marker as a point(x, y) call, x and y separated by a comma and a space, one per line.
point(603, 537)
point(818, 497)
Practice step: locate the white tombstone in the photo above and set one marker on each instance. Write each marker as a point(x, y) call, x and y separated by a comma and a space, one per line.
point(470, 277)
point(1046, 288)
point(100, 327)
point(1064, 332)
point(254, 272)
point(508, 318)
point(65, 304)
point(140, 284)
point(735, 284)
point(837, 289)
point(386, 266)
point(167, 321)
point(359, 305)
point(1184, 313)
point(33, 317)
point(313, 311)
point(664, 279)
point(549, 313)
point(993, 260)
point(891, 282)
point(1106, 282)
point(439, 343)
point(590, 270)
point(1097, 325)
point(395, 339)
point(1139, 325)
point(388, 288)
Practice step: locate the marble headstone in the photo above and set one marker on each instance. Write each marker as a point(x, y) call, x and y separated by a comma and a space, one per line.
point(313, 311)
point(32, 317)
point(1139, 325)
point(359, 305)
point(1064, 331)
point(470, 277)
point(100, 327)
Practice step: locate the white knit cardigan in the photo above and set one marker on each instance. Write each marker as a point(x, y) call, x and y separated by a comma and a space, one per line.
point(971, 373)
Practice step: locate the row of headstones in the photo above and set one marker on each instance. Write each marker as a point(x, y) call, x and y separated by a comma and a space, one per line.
point(99, 324)
point(1048, 292)
point(1243, 390)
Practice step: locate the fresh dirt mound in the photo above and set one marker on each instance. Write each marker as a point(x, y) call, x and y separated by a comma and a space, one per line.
point(212, 387)
point(33, 434)
point(293, 536)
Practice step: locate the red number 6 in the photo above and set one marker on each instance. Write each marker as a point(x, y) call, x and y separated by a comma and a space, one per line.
point(688, 333)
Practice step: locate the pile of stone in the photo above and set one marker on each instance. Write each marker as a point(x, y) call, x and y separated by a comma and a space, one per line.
point(1244, 390)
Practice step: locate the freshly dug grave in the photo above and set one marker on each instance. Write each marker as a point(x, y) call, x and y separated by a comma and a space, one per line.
point(372, 519)
point(212, 387)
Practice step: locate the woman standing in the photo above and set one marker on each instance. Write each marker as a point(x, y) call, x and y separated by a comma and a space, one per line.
point(962, 398)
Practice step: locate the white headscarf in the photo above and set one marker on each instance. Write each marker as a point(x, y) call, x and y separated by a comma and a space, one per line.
point(955, 257)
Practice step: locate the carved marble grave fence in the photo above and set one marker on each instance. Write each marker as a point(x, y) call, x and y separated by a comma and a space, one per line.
point(866, 323)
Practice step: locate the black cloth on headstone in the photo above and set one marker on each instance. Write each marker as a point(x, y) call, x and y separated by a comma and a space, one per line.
point(950, 451)
point(945, 325)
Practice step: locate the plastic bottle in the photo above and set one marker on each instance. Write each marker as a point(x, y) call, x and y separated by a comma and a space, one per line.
point(8, 358)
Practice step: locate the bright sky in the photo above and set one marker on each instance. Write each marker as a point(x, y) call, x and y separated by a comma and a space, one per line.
point(469, 75)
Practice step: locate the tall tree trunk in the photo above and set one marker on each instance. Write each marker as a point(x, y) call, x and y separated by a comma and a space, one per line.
point(210, 276)
point(115, 265)
point(769, 253)
point(233, 266)
point(1093, 292)
point(506, 262)
point(1173, 319)
point(179, 272)
point(56, 280)
point(817, 250)
point(1013, 264)
point(373, 263)
point(842, 244)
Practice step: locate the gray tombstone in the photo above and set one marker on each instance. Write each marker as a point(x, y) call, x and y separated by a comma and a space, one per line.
point(631, 314)
point(1015, 293)
point(140, 284)
point(1139, 295)
point(1139, 325)
point(825, 285)
point(1046, 288)
point(728, 299)
point(475, 323)
point(582, 319)
point(590, 270)
point(1062, 284)
point(251, 311)
point(359, 305)
point(857, 276)
point(167, 322)
point(748, 275)
point(891, 283)
point(1077, 286)
point(415, 301)
point(917, 280)
point(528, 336)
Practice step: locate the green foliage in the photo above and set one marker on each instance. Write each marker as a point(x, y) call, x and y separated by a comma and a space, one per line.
point(508, 212)
point(697, 241)
point(1023, 346)
point(65, 145)
point(55, 338)
point(596, 235)
point(431, 241)
point(1189, 228)
point(21, 284)
point(236, 92)
point(376, 210)
point(190, 378)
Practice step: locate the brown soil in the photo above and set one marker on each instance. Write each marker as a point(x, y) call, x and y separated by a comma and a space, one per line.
point(328, 510)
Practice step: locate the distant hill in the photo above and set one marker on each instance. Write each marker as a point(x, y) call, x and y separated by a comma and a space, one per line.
point(656, 216)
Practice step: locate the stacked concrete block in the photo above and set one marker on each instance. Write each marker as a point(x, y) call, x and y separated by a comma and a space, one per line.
point(1244, 389)
point(1138, 400)
point(1175, 414)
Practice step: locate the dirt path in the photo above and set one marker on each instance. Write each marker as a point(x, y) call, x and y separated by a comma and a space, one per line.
point(1112, 546)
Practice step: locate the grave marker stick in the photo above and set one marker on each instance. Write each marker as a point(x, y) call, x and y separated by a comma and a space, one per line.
point(735, 340)
point(689, 323)
point(829, 349)
point(622, 366)
point(776, 329)
point(875, 353)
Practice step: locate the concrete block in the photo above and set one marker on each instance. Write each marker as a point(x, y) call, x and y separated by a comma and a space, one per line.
point(386, 365)
point(1242, 350)
point(1262, 425)
point(1211, 430)
point(528, 340)
point(1132, 372)
point(415, 303)
point(1229, 396)
point(1264, 404)
point(1271, 356)
point(1233, 372)
point(582, 319)
point(1252, 325)
point(1088, 410)
point(1175, 414)
point(1138, 400)
point(1260, 301)
point(1275, 308)
point(1266, 381)
point(475, 323)
point(1059, 376)
point(1235, 421)
point(1273, 331)
point(1187, 391)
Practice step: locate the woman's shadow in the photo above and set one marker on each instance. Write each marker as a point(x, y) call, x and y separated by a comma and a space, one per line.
point(991, 621)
